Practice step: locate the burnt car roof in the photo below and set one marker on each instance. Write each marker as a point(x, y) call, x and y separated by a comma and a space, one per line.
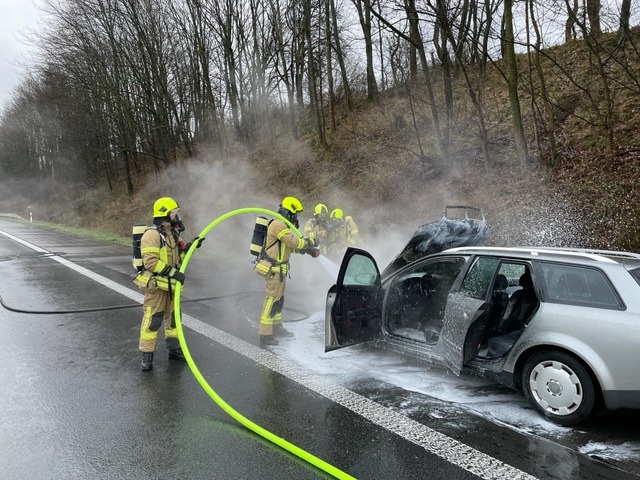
point(459, 226)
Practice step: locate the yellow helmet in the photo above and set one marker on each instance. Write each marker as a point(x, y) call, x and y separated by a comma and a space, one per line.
point(336, 213)
point(320, 209)
point(291, 204)
point(163, 206)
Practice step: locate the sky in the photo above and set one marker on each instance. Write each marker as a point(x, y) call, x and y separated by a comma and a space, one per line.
point(15, 17)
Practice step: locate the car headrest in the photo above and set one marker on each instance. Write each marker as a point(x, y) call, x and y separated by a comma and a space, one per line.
point(525, 280)
point(501, 283)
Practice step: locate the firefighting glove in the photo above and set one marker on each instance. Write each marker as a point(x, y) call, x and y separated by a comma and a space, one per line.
point(178, 275)
point(314, 252)
point(174, 273)
point(312, 241)
point(198, 241)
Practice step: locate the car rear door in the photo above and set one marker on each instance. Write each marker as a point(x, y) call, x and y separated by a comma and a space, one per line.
point(466, 310)
point(352, 312)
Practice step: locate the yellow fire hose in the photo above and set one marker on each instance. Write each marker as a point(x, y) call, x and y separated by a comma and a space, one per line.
point(304, 455)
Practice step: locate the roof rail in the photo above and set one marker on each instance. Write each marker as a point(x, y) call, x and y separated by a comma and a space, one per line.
point(598, 255)
point(594, 251)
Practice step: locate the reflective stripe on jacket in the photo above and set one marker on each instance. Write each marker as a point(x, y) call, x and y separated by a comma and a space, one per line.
point(159, 248)
point(281, 241)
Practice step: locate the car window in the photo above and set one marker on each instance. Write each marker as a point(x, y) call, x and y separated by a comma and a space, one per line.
point(480, 275)
point(513, 272)
point(360, 271)
point(636, 275)
point(571, 284)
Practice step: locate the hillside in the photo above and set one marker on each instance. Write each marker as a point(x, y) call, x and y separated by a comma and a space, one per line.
point(380, 167)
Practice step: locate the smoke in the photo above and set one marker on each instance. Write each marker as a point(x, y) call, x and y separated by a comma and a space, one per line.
point(45, 198)
point(521, 207)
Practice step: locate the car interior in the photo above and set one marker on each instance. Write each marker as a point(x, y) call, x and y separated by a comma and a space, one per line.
point(417, 302)
point(509, 313)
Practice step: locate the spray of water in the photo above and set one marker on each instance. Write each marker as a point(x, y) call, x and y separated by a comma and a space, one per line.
point(330, 267)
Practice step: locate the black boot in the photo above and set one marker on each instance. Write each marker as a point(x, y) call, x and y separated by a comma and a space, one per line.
point(280, 331)
point(176, 354)
point(147, 361)
point(267, 340)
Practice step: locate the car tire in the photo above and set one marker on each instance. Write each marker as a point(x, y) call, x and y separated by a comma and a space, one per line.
point(559, 387)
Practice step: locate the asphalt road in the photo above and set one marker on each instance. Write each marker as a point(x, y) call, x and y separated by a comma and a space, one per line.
point(75, 405)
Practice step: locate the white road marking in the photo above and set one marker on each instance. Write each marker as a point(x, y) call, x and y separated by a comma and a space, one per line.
point(455, 452)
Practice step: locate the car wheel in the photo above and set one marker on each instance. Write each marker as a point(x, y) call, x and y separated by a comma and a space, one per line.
point(559, 387)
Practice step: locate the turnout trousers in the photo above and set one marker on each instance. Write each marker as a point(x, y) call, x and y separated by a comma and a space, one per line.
point(271, 314)
point(157, 311)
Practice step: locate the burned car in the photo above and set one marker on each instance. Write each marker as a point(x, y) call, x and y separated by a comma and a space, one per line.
point(561, 325)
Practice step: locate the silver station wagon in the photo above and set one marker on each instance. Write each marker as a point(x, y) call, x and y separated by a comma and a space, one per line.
point(561, 325)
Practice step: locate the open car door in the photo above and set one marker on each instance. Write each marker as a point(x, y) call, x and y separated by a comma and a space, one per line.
point(464, 317)
point(467, 314)
point(352, 312)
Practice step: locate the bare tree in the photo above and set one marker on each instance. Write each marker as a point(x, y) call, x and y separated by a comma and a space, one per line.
point(625, 15)
point(512, 75)
point(312, 75)
point(363, 8)
point(593, 14)
point(441, 139)
point(336, 44)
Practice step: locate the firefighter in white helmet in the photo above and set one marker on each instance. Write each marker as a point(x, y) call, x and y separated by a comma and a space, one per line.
point(280, 242)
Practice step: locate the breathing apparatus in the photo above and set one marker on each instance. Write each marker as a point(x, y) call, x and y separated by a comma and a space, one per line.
point(177, 224)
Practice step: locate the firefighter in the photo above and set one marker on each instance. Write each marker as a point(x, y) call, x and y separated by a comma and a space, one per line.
point(318, 228)
point(161, 248)
point(280, 242)
point(337, 240)
point(352, 231)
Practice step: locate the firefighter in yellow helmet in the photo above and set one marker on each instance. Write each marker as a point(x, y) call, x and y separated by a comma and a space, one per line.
point(162, 250)
point(273, 264)
point(317, 227)
point(337, 240)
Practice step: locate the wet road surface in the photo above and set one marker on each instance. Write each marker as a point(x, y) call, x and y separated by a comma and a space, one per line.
point(76, 405)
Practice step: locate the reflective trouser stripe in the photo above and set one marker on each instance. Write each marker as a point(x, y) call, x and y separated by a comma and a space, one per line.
point(271, 307)
point(157, 310)
point(147, 335)
point(265, 315)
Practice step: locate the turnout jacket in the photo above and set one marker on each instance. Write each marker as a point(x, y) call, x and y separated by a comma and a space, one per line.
point(280, 243)
point(159, 249)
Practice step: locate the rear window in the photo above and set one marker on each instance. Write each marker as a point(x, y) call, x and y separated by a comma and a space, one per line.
point(636, 275)
point(578, 285)
point(480, 275)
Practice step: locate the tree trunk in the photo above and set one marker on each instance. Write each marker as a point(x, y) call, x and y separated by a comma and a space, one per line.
point(512, 76)
point(364, 15)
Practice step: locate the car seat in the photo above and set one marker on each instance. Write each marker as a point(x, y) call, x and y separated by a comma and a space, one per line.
point(520, 306)
point(499, 301)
